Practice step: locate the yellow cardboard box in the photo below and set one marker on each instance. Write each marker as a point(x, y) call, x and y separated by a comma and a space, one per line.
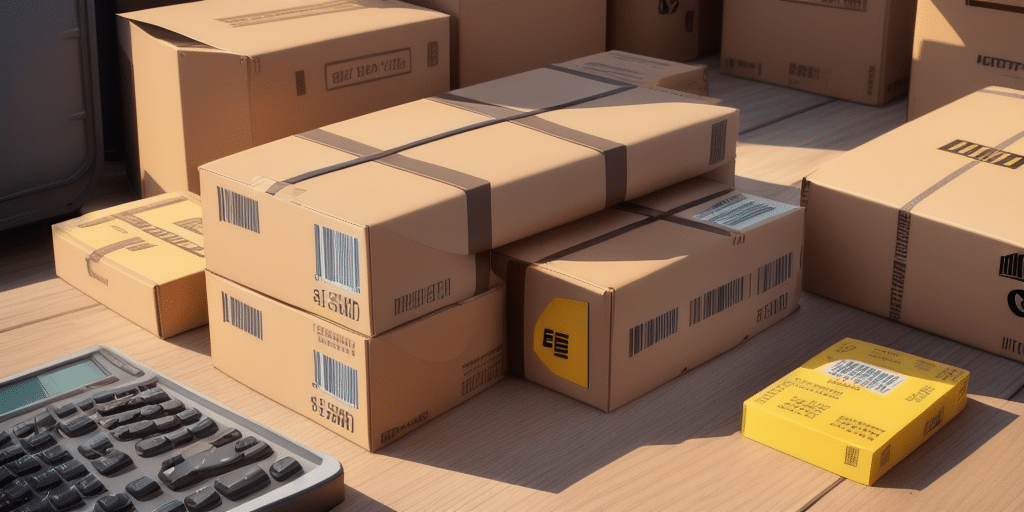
point(923, 224)
point(380, 219)
point(143, 259)
point(370, 391)
point(609, 307)
point(856, 409)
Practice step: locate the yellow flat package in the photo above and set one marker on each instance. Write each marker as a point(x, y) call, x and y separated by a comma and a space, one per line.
point(856, 409)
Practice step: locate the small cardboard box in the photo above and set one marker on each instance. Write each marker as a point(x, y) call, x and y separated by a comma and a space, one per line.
point(856, 409)
point(855, 50)
point(144, 260)
point(645, 71)
point(655, 28)
point(923, 224)
point(495, 38)
point(370, 391)
point(962, 46)
point(616, 304)
point(211, 78)
point(380, 219)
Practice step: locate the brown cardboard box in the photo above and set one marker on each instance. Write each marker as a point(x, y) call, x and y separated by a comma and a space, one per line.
point(665, 29)
point(962, 46)
point(211, 78)
point(406, 231)
point(616, 304)
point(853, 50)
point(923, 224)
point(645, 71)
point(496, 38)
point(144, 260)
point(370, 391)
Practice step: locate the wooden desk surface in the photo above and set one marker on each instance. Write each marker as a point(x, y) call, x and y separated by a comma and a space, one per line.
point(519, 446)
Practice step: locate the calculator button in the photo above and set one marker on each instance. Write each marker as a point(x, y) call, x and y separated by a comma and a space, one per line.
point(25, 465)
point(239, 484)
point(85, 405)
point(171, 462)
point(64, 499)
point(95, 447)
point(24, 429)
point(64, 410)
point(35, 506)
point(90, 486)
point(167, 423)
point(258, 452)
point(120, 405)
point(143, 489)
point(285, 469)
point(113, 462)
point(180, 437)
point(155, 396)
point(72, 470)
point(227, 437)
point(153, 446)
point(203, 465)
point(6, 476)
point(132, 431)
point(77, 426)
point(37, 442)
point(18, 492)
point(4, 438)
point(11, 453)
point(203, 428)
point(151, 412)
point(55, 455)
point(45, 480)
point(119, 502)
point(202, 500)
point(126, 392)
point(189, 416)
point(173, 406)
point(246, 443)
point(174, 506)
point(44, 420)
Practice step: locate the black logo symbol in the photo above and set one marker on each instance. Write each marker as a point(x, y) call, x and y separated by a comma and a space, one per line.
point(668, 6)
point(557, 341)
point(1016, 301)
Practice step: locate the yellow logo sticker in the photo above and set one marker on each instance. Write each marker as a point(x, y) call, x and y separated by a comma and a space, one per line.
point(561, 340)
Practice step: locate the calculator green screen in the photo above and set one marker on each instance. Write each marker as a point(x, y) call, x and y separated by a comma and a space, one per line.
point(51, 383)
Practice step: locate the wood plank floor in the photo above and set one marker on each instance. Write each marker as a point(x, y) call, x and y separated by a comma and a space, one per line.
point(519, 446)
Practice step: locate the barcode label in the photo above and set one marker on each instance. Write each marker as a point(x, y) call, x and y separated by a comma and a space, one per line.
point(337, 258)
point(865, 375)
point(718, 138)
point(775, 273)
point(717, 300)
point(242, 315)
point(234, 208)
point(653, 331)
point(336, 378)
point(852, 5)
point(852, 456)
point(740, 211)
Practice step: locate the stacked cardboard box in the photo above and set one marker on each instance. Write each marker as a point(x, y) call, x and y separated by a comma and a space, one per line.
point(211, 78)
point(962, 46)
point(655, 28)
point(923, 224)
point(369, 239)
point(853, 50)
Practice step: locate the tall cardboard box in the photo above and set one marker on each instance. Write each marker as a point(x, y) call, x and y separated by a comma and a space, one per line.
point(496, 38)
point(380, 219)
point(923, 224)
point(369, 390)
point(616, 304)
point(655, 28)
point(962, 46)
point(207, 79)
point(856, 50)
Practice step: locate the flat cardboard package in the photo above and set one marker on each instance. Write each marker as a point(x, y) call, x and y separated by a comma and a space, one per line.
point(496, 38)
point(923, 224)
point(380, 219)
point(645, 71)
point(370, 391)
point(655, 28)
point(144, 260)
point(853, 50)
point(962, 46)
point(616, 304)
point(210, 78)
point(856, 409)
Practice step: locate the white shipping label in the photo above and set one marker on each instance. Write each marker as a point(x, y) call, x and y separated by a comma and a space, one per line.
point(740, 211)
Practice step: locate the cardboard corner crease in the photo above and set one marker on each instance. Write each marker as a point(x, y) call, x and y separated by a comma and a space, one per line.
point(377, 220)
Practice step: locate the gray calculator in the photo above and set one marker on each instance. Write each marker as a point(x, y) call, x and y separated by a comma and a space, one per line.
point(95, 431)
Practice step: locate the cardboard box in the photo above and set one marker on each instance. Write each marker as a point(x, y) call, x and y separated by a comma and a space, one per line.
point(370, 391)
point(492, 39)
point(211, 78)
point(923, 224)
point(645, 71)
point(405, 231)
point(962, 46)
point(616, 304)
point(144, 260)
point(853, 50)
point(664, 29)
point(856, 409)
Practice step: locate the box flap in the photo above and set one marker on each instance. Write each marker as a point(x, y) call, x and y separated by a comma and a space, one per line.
point(258, 28)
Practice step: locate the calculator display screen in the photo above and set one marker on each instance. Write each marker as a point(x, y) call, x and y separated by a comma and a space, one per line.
point(51, 383)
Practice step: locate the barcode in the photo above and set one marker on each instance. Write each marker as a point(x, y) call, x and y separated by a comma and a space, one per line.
point(653, 331)
point(242, 315)
point(738, 213)
point(775, 273)
point(337, 257)
point(866, 376)
point(234, 208)
point(718, 138)
point(852, 456)
point(717, 300)
point(1012, 266)
point(336, 378)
